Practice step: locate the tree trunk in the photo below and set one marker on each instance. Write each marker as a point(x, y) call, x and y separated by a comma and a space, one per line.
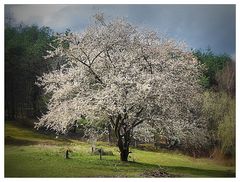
point(123, 145)
point(123, 134)
point(75, 126)
point(124, 155)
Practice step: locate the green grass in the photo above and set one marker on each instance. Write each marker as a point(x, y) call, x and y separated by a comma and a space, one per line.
point(45, 158)
point(16, 134)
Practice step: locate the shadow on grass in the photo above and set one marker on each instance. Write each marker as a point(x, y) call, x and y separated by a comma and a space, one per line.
point(181, 171)
point(9, 140)
point(18, 134)
point(14, 141)
point(199, 172)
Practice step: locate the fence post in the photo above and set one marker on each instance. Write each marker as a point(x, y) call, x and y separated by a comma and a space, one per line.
point(100, 152)
point(67, 155)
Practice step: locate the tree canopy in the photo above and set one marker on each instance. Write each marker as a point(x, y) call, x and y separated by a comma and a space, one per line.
point(136, 80)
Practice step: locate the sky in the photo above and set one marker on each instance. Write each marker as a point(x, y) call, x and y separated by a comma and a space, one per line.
point(200, 26)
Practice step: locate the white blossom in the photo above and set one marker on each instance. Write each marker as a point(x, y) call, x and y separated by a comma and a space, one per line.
point(118, 73)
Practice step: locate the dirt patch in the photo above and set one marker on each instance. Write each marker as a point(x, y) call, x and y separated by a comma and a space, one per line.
point(156, 173)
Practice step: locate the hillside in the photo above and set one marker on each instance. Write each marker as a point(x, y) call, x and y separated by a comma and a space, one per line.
point(31, 154)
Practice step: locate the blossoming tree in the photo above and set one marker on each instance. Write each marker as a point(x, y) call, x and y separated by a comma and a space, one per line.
point(118, 73)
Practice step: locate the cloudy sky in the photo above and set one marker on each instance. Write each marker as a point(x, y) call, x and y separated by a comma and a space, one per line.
point(200, 26)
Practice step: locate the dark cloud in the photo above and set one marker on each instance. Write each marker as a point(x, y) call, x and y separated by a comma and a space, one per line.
point(198, 25)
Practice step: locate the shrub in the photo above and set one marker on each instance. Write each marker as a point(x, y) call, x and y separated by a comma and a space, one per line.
point(219, 108)
point(97, 152)
point(147, 147)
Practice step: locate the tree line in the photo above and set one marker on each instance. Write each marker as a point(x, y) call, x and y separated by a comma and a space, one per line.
point(25, 47)
point(219, 82)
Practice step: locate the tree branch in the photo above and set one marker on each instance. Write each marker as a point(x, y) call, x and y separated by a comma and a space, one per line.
point(108, 55)
point(149, 64)
point(96, 57)
point(85, 54)
point(145, 58)
point(137, 123)
point(117, 133)
point(89, 67)
point(139, 112)
point(111, 121)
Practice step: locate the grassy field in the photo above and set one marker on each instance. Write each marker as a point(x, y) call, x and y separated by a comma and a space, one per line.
point(30, 154)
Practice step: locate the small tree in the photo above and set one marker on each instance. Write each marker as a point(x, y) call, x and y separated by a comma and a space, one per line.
point(117, 73)
point(219, 107)
point(226, 79)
